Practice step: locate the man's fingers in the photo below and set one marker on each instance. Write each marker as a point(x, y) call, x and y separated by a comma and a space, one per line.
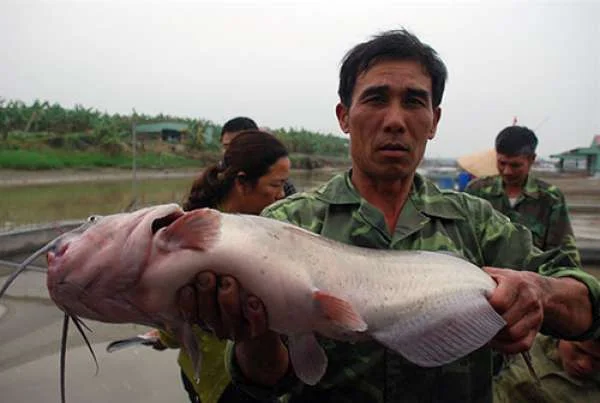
point(503, 297)
point(231, 311)
point(208, 308)
point(528, 312)
point(513, 347)
point(517, 337)
point(256, 316)
point(521, 329)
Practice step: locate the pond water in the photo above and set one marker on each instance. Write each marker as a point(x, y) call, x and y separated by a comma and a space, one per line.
point(46, 203)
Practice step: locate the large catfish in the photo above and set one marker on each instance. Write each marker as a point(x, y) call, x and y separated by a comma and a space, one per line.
point(429, 307)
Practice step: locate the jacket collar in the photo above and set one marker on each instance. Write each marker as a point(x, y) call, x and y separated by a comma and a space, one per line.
point(427, 198)
point(531, 188)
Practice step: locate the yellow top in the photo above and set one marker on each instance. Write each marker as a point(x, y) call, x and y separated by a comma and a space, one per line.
point(214, 378)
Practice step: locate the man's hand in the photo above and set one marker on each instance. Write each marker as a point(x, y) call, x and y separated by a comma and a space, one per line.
point(520, 299)
point(221, 305)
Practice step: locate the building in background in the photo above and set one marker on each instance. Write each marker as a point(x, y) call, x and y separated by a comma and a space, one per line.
point(581, 159)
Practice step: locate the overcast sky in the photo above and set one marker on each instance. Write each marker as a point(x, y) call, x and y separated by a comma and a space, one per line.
point(278, 61)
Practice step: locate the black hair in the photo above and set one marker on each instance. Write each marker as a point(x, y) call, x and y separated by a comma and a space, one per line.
point(238, 124)
point(391, 45)
point(516, 140)
point(252, 152)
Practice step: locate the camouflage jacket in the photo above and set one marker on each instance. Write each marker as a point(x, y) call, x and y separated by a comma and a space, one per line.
point(430, 220)
point(541, 207)
point(515, 385)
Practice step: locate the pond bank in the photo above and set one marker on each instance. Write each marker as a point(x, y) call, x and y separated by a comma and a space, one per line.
point(15, 177)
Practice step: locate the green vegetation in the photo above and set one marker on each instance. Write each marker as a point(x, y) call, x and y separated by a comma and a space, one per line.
point(48, 136)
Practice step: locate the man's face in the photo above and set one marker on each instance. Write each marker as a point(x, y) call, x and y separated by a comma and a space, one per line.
point(390, 119)
point(514, 170)
point(580, 359)
point(226, 139)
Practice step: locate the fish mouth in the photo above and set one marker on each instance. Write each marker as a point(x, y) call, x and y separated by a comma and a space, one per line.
point(165, 221)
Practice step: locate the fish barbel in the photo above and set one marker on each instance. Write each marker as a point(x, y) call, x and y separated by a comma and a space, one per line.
point(429, 307)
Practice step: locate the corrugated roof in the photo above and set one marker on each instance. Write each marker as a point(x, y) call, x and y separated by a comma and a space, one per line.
point(160, 126)
point(581, 152)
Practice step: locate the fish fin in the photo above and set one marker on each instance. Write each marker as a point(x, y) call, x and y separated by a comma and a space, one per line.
point(308, 358)
point(339, 311)
point(197, 229)
point(124, 343)
point(150, 338)
point(461, 325)
point(192, 346)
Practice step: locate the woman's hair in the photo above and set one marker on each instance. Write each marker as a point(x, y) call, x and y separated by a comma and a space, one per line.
point(252, 152)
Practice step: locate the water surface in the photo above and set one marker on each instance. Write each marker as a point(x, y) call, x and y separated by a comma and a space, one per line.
point(46, 203)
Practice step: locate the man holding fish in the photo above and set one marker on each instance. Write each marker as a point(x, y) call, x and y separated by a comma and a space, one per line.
point(390, 92)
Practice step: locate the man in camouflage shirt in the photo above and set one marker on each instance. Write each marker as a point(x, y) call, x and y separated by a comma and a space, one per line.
point(390, 91)
point(569, 372)
point(526, 200)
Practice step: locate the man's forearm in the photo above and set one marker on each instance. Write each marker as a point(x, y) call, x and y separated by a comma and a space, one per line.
point(567, 306)
point(263, 360)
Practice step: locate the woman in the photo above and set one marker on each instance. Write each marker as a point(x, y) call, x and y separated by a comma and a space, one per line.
point(250, 177)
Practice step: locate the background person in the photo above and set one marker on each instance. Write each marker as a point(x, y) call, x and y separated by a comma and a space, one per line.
point(251, 176)
point(525, 199)
point(569, 372)
point(522, 197)
point(237, 125)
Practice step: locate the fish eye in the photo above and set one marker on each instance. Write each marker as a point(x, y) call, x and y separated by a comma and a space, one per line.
point(94, 218)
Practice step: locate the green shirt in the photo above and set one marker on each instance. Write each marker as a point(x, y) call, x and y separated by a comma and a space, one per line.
point(430, 220)
point(541, 207)
point(515, 385)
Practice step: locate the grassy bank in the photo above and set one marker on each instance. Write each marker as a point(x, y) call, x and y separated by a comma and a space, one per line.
point(60, 159)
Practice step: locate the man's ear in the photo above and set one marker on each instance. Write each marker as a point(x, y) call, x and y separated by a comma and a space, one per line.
point(437, 115)
point(342, 115)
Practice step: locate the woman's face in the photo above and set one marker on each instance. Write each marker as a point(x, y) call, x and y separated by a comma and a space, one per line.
point(268, 189)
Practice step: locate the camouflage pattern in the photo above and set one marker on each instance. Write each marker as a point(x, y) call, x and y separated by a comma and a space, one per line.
point(515, 385)
point(541, 207)
point(430, 220)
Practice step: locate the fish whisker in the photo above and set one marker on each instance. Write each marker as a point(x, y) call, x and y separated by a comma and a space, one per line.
point(23, 266)
point(30, 267)
point(80, 326)
point(63, 355)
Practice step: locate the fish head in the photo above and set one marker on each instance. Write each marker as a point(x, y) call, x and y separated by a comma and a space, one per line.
point(108, 256)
